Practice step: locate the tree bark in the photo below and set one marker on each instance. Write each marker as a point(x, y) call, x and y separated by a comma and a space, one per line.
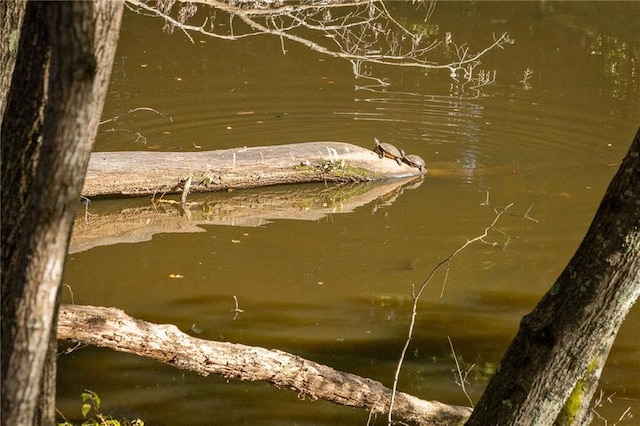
point(12, 13)
point(142, 173)
point(112, 328)
point(52, 113)
point(551, 369)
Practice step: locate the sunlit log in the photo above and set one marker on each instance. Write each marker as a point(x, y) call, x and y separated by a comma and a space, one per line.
point(142, 173)
point(112, 328)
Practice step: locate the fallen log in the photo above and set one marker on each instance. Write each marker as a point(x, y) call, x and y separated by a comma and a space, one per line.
point(112, 328)
point(142, 173)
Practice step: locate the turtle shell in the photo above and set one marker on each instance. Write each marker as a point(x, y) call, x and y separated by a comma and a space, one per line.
point(386, 150)
point(415, 161)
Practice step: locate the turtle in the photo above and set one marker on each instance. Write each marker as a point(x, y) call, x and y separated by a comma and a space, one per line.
point(388, 150)
point(414, 160)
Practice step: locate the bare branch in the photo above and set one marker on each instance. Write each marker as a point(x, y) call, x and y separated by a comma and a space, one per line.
point(462, 377)
point(416, 295)
point(112, 328)
point(361, 31)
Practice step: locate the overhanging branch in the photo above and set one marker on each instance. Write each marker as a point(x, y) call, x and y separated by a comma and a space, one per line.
point(363, 31)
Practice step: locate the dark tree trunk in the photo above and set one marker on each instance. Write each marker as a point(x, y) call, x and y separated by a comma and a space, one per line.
point(52, 112)
point(12, 13)
point(551, 370)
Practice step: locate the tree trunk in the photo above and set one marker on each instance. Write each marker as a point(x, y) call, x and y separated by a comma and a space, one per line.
point(12, 13)
point(551, 370)
point(53, 108)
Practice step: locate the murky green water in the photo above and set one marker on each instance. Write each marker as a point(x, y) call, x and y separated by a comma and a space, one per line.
point(337, 289)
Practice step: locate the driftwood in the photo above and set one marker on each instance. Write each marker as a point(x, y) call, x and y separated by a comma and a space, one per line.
point(140, 173)
point(112, 328)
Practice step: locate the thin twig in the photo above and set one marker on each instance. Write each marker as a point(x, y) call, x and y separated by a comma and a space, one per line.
point(71, 349)
point(70, 292)
point(117, 117)
point(416, 298)
point(185, 190)
point(461, 377)
point(526, 214)
point(237, 310)
point(86, 201)
point(446, 277)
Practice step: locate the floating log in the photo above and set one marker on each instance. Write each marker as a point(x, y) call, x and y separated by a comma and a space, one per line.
point(143, 173)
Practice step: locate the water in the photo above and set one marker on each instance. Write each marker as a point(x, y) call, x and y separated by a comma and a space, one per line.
point(337, 289)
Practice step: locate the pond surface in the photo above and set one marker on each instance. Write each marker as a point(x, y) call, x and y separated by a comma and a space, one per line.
point(337, 290)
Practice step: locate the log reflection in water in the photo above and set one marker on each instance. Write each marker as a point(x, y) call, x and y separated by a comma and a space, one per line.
point(239, 208)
